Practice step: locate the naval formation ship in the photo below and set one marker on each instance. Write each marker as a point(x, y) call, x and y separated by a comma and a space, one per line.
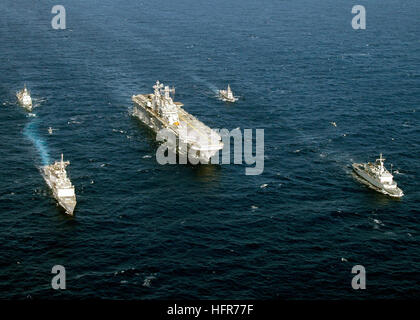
point(24, 98)
point(227, 95)
point(158, 111)
point(56, 177)
point(376, 177)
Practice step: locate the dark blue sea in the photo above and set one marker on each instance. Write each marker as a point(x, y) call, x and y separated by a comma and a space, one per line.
point(147, 231)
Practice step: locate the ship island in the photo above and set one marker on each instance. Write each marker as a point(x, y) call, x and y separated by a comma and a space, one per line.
point(55, 176)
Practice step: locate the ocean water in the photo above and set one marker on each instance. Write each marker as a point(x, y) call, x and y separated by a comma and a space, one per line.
point(146, 231)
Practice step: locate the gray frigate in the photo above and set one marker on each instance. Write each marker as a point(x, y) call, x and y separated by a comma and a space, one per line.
point(56, 177)
point(377, 177)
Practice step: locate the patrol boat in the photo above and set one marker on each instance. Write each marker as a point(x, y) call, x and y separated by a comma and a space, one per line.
point(56, 177)
point(24, 98)
point(227, 95)
point(158, 111)
point(377, 177)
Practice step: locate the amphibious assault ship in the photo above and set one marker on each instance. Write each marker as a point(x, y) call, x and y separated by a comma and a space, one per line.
point(227, 95)
point(56, 177)
point(158, 111)
point(24, 98)
point(376, 177)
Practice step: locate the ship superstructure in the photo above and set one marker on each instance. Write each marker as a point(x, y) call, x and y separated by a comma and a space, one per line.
point(227, 95)
point(24, 98)
point(377, 177)
point(56, 177)
point(158, 111)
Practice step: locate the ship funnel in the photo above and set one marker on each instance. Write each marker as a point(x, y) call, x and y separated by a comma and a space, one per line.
point(173, 92)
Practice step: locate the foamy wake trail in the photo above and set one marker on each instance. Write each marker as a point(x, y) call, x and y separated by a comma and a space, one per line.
point(31, 131)
point(209, 85)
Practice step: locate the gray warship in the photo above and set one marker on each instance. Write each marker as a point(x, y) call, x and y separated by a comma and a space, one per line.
point(376, 177)
point(24, 98)
point(227, 95)
point(56, 177)
point(158, 111)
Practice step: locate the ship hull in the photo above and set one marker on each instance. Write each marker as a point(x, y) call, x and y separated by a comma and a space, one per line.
point(148, 118)
point(227, 99)
point(155, 123)
point(372, 183)
point(25, 104)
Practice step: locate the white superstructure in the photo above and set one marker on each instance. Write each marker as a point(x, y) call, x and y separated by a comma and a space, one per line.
point(24, 98)
point(227, 95)
point(158, 111)
point(56, 177)
point(377, 177)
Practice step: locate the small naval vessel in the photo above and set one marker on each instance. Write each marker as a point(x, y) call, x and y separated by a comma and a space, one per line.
point(227, 95)
point(24, 98)
point(56, 177)
point(51, 130)
point(375, 176)
point(158, 111)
